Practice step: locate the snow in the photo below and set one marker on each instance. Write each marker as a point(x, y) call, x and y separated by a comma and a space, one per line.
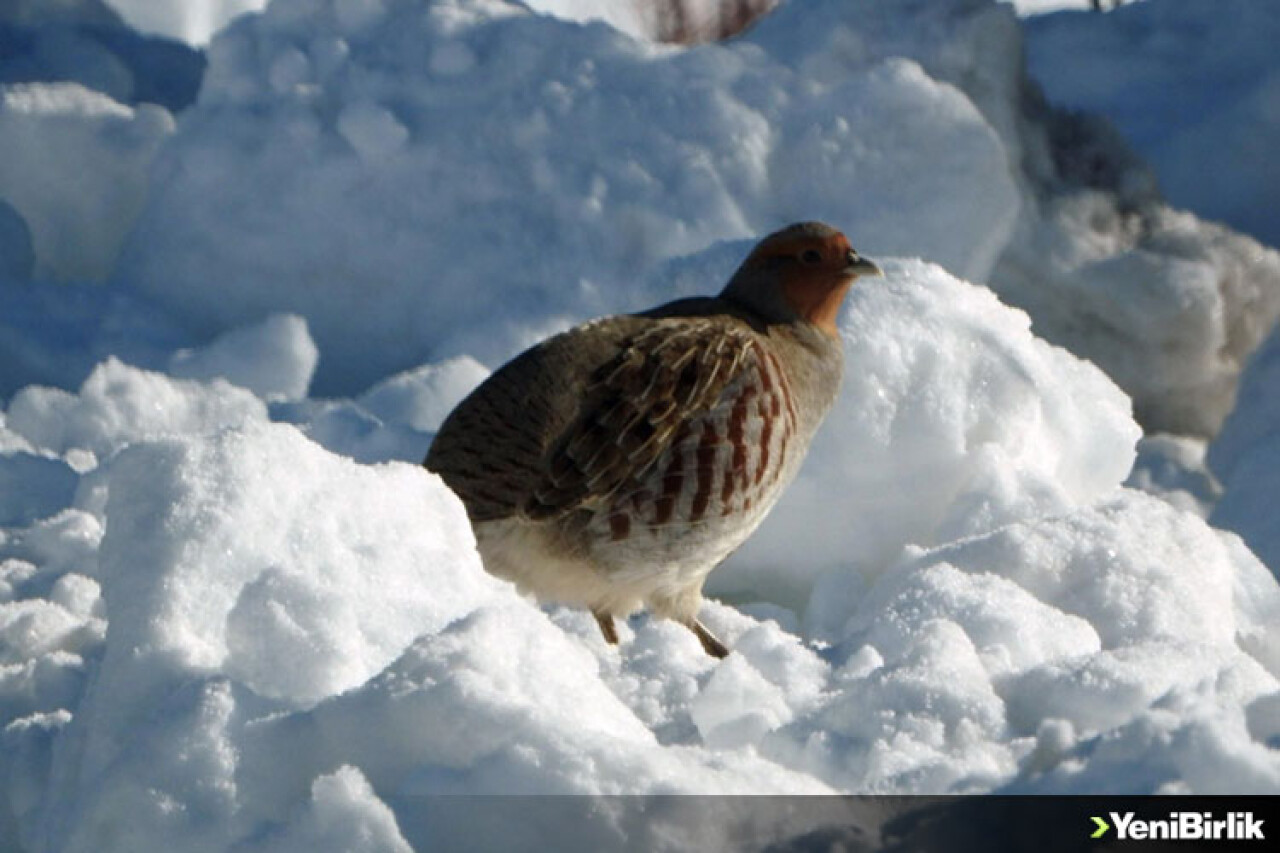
point(1187, 82)
point(956, 421)
point(589, 179)
point(1246, 457)
point(78, 218)
point(274, 359)
point(85, 42)
point(237, 614)
point(192, 22)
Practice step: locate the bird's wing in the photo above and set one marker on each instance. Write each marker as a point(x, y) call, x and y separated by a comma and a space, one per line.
point(638, 404)
point(588, 413)
point(492, 448)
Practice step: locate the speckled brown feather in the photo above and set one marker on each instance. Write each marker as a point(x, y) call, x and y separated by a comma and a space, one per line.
point(494, 449)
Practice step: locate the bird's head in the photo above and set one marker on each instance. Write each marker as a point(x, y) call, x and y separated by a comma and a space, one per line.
point(799, 273)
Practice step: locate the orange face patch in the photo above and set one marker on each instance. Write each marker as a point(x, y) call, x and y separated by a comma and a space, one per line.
point(816, 281)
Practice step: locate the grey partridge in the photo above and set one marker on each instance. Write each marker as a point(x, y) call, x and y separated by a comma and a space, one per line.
point(613, 466)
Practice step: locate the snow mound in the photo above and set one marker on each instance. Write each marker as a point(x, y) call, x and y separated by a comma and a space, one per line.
point(953, 420)
point(343, 137)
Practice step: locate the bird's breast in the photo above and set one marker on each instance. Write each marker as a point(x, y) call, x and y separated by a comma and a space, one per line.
point(713, 484)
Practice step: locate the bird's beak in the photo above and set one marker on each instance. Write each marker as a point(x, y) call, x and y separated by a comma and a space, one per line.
point(858, 266)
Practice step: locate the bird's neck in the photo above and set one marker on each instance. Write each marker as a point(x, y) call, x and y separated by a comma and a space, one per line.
point(817, 301)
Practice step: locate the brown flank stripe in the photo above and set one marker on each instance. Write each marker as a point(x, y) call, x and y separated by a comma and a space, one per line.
point(738, 440)
point(706, 457)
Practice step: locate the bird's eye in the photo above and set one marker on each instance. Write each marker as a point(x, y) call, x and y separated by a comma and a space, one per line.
point(811, 256)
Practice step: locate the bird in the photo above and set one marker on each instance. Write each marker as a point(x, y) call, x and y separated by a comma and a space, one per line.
point(614, 465)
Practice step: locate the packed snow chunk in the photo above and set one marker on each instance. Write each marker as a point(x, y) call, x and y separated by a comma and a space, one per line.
point(1246, 456)
point(64, 543)
point(119, 405)
point(1194, 741)
point(738, 706)
point(274, 358)
point(493, 695)
point(974, 46)
point(330, 161)
point(78, 214)
point(1011, 630)
point(167, 785)
point(953, 419)
point(51, 616)
point(344, 816)
point(258, 554)
point(1138, 571)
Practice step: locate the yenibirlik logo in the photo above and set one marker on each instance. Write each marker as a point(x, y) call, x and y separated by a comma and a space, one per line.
point(1183, 826)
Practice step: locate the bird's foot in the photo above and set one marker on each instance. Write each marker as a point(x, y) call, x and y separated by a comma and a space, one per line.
point(710, 643)
point(607, 627)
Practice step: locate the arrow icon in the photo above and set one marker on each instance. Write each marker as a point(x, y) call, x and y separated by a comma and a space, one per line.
point(1103, 826)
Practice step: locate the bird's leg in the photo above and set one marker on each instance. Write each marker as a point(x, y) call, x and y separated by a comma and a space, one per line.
point(710, 644)
point(610, 631)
